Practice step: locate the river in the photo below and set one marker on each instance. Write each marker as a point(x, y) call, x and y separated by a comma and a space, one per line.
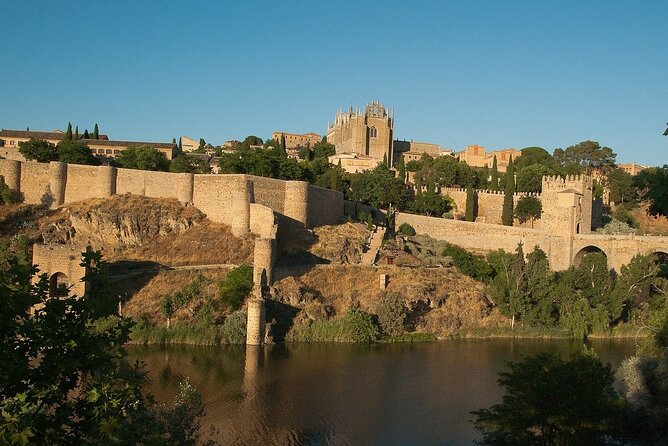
point(340, 394)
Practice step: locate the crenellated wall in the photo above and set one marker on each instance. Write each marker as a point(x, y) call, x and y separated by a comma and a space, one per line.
point(562, 250)
point(490, 202)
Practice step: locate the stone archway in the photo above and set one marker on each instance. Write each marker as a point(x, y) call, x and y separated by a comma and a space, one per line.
point(661, 256)
point(59, 285)
point(589, 249)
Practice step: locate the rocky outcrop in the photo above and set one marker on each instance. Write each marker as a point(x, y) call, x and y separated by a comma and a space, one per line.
point(122, 220)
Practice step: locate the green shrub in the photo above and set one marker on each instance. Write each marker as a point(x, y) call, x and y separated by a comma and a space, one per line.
point(234, 328)
point(470, 264)
point(391, 313)
point(354, 326)
point(8, 195)
point(406, 229)
point(237, 284)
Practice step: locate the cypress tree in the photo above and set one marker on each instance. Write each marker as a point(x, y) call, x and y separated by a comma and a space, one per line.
point(180, 144)
point(507, 213)
point(385, 165)
point(470, 204)
point(76, 132)
point(86, 135)
point(401, 169)
point(96, 132)
point(495, 175)
point(173, 140)
point(68, 132)
point(282, 146)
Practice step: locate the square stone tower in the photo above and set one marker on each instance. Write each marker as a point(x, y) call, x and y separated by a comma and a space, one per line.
point(567, 204)
point(369, 132)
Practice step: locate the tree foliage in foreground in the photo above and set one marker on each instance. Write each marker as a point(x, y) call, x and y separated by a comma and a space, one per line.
point(63, 381)
point(653, 184)
point(549, 401)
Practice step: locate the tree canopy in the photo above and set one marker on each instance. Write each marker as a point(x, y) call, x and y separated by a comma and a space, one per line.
point(38, 150)
point(142, 157)
point(74, 152)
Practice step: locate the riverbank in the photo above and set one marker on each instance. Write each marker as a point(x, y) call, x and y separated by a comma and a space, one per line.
point(233, 332)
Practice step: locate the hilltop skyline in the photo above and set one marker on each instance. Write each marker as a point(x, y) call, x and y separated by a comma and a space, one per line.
point(488, 73)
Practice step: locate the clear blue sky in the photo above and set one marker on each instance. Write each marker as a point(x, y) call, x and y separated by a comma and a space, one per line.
point(494, 73)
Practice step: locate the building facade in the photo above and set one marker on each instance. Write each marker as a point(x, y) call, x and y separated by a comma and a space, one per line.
point(294, 140)
point(101, 147)
point(477, 156)
point(369, 132)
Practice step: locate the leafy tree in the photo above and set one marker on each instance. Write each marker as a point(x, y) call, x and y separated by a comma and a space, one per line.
point(86, 135)
point(251, 140)
point(521, 287)
point(509, 191)
point(530, 178)
point(470, 204)
point(653, 184)
point(528, 208)
point(406, 229)
point(587, 154)
point(494, 185)
point(38, 150)
point(74, 152)
point(96, 132)
point(429, 203)
point(236, 286)
point(168, 308)
point(188, 164)
point(391, 313)
point(470, 264)
point(378, 188)
point(143, 157)
point(550, 401)
point(68, 132)
point(62, 380)
point(323, 149)
point(534, 155)
point(620, 184)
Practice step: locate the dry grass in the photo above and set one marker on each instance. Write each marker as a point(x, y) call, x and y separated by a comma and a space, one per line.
point(650, 225)
point(442, 300)
point(204, 244)
point(146, 301)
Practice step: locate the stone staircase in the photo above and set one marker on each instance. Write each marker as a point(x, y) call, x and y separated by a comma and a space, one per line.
point(375, 242)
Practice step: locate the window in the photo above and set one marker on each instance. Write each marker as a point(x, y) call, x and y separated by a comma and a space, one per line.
point(116, 152)
point(11, 142)
point(373, 133)
point(109, 152)
point(93, 151)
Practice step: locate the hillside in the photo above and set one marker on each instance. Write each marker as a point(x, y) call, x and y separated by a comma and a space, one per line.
point(131, 228)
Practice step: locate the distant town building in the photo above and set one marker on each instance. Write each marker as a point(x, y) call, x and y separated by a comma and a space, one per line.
point(632, 168)
point(353, 162)
point(102, 147)
point(477, 156)
point(413, 150)
point(188, 144)
point(12, 138)
point(294, 140)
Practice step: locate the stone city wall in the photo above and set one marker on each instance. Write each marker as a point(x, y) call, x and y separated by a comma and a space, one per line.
point(490, 202)
point(325, 206)
point(224, 198)
point(487, 237)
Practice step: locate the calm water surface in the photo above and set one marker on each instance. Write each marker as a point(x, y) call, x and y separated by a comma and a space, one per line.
point(332, 394)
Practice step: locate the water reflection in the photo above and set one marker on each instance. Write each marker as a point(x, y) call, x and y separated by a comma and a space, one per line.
point(327, 394)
